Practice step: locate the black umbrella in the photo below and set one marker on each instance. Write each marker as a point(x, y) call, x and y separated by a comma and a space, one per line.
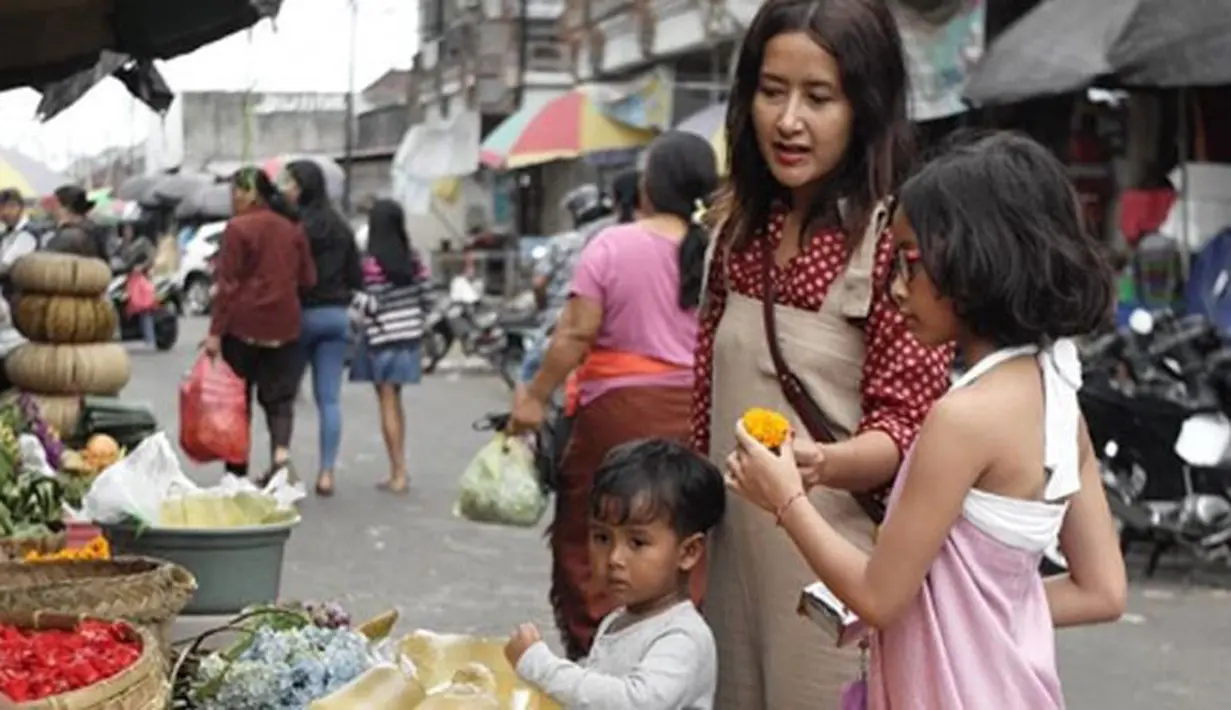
point(134, 188)
point(42, 42)
point(172, 189)
point(213, 202)
point(140, 77)
point(1066, 45)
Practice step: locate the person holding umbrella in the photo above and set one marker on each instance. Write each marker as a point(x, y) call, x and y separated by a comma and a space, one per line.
point(263, 265)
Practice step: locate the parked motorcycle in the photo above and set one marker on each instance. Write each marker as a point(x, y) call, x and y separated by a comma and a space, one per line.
point(1156, 400)
point(166, 318)
point(461, 316)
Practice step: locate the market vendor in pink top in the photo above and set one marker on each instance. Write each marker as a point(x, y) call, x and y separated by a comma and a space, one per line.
point(624, 344)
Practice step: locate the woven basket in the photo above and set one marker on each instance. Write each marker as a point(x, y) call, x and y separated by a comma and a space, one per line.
point(141, 686)
point(16, 548)
point(142, 590)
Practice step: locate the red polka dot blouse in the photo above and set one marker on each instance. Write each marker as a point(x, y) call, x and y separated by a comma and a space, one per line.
point(901, 377)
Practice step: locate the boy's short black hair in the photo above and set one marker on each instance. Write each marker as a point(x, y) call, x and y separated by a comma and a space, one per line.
point(10, 195)
point(1001, 235)
point(656, 478)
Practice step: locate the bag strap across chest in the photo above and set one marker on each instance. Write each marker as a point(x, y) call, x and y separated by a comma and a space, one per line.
point(854, 289)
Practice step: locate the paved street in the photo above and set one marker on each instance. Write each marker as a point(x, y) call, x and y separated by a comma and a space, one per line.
point(372, 551)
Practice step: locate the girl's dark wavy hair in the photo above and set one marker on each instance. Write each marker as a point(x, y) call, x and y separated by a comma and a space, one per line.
point(1001, 235)
point(681, 176)
point(863, 38)
point(254, 178)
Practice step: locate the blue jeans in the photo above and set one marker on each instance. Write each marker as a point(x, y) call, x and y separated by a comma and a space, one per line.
point(533, 359)
point(146, 323)
point(324, 338)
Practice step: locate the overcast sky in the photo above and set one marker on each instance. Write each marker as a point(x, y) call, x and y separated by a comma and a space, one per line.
point(308, 51)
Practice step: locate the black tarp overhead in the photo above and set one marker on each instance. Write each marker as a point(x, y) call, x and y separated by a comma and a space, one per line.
point(44, 41)
point(1067, 45)
point(140, 77)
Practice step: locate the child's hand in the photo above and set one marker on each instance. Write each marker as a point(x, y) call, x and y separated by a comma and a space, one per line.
point(765, 479)
point(524, 636)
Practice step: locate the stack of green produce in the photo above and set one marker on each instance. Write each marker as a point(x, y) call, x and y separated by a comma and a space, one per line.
point(31, 502)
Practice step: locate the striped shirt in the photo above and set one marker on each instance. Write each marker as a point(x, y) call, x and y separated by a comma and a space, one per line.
point(393, 314)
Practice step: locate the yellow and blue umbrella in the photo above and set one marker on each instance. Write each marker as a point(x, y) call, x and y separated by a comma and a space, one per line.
point(710, 124)
point(30, 177)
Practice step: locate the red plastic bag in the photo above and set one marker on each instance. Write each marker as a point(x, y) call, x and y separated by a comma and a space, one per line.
point(214, 413)
point(141, 298)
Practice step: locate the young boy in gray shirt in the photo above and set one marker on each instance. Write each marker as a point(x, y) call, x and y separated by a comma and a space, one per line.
point(651, 505)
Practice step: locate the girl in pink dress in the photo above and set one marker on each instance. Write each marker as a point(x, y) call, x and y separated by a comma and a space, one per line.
point(990, 253)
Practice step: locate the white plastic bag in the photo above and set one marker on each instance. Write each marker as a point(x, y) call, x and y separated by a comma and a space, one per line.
point(136, 485)
point(502, 486)
point(34, 456)
point(280, 488)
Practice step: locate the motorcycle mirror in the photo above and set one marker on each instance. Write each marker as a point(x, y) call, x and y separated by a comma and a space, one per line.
point(538, 252)
point(1141, 322)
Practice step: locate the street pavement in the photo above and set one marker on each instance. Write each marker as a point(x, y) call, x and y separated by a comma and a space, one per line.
point(371, 551)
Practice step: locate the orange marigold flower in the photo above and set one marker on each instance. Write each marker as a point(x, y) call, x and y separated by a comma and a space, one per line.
point(767, 426)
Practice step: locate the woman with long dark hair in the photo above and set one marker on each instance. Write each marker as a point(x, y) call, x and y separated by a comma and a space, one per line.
point(326, 326)
point(818, 137)
point(629, 332)
point(389, 354)
point(263, 265)
point(69, 208)
point(625, 194)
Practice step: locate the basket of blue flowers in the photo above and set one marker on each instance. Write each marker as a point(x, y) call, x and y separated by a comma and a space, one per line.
point(278, 657)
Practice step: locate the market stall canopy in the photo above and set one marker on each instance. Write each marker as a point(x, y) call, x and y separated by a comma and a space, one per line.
point(1065, 45)
point(569, 126)
point(211, 203)
point(335, 175)
point(140, 77)
point(44, 41)
point(29, 176)
point(710, 124)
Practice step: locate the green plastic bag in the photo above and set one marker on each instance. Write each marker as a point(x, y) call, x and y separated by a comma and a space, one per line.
point(502, 486)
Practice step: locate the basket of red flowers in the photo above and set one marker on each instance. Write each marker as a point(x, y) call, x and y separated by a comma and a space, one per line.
point(54, 661)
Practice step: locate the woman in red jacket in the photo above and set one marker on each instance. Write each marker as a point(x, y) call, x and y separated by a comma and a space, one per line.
point(263, 265)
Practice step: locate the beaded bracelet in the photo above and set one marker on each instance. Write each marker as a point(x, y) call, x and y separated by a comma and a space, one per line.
point(782, 509)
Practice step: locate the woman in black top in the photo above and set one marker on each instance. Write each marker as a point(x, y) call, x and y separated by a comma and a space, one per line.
point(326, 327)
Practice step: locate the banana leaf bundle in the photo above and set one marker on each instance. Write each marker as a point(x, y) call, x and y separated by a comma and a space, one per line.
point(129, 423)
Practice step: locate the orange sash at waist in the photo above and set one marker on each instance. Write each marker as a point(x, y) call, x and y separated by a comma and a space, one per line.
point(605, 364)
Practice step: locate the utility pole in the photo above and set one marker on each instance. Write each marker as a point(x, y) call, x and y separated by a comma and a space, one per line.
point(349, 150)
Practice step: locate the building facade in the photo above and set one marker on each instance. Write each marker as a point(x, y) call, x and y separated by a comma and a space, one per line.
point(491, 57)
point(488, 55)
point(220, 130)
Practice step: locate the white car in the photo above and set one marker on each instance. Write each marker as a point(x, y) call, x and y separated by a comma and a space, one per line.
point(195, 275)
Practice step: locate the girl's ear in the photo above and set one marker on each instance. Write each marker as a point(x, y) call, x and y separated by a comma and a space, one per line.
point(692, 548)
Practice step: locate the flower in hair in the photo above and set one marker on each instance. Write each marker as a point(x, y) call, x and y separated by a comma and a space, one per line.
point(700, 212)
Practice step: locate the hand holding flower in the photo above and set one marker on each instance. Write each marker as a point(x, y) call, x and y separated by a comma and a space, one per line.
point(768, 480)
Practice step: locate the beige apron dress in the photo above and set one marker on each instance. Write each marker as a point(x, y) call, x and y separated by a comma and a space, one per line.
point(769, 657)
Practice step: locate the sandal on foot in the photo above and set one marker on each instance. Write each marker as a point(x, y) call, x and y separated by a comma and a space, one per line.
point(291, 476)
point(394, 487)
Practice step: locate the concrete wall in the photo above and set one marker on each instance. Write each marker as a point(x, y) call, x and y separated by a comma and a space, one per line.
point(213, 125)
